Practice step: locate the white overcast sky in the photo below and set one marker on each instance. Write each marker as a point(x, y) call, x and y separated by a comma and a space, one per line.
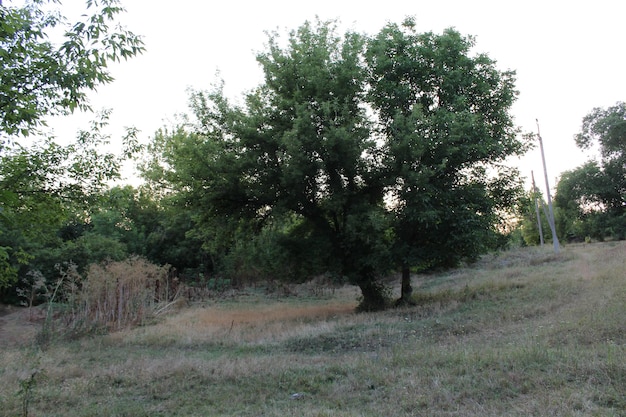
point(570, 56)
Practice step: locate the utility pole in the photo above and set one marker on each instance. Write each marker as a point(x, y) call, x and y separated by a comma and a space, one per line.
point(555, 239)
point(532, 174)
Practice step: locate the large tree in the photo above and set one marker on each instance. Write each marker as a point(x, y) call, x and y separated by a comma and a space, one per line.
point(299, 151)
point(369, 151)
point(445, 122)
point(42, 73)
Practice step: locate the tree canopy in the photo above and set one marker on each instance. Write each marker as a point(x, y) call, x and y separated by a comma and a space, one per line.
point(45, 185)
point(42, 74)
point(592, 197)
point(356, 156)
point(444, 120)
point(378, 151)
point(47, 67)
point(607, 129)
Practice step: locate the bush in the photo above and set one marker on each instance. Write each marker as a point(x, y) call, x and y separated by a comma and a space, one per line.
point(119, 294)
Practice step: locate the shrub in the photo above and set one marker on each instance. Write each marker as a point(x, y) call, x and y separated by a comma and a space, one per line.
point(118, 294)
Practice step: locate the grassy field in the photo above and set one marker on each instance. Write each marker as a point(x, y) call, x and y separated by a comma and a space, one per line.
point(524, 333)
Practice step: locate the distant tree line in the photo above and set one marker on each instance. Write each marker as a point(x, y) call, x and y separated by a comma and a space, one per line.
point(590, 200)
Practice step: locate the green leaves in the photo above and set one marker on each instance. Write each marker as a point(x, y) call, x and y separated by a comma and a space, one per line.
point(378, 148)
point(445, 122)
point(606, 128)
point(43, 186)
point(594, 194)
point(39, 78)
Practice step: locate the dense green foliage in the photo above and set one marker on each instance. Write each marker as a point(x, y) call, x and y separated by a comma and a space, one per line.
point(47, 66)
point(592, 197)
point(48, 192)
point(355, 156)
point(444, 121)
point(40, 76)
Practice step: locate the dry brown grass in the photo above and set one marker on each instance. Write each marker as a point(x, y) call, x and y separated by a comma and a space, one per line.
point(234, 324)
point(115, 295)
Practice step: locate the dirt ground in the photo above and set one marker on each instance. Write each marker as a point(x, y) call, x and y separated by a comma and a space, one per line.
point(18, 326)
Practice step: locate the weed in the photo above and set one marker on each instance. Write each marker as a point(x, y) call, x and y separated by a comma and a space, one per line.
point(26, 391)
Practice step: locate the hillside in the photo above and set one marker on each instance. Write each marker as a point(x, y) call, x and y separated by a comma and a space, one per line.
point(519, 334)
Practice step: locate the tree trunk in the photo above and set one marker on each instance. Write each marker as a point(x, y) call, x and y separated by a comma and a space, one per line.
point(374, 297)
point(407, 289)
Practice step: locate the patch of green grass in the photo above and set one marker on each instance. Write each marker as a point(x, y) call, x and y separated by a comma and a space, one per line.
point(346, 339)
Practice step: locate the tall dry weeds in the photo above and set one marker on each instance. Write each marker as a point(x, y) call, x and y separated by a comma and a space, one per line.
point(116, 295)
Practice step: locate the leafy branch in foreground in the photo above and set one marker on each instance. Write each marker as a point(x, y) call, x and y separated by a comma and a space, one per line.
point(40, 76)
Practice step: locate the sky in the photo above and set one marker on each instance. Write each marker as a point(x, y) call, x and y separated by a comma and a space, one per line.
point(569, 58)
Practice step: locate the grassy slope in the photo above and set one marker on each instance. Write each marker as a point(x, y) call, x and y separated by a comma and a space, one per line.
point(526, 333)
